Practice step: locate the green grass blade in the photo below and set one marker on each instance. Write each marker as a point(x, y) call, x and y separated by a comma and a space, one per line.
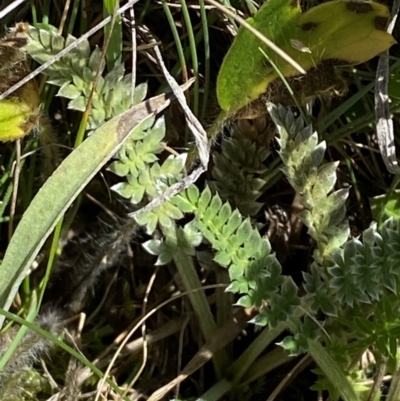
point(207, 57)
point(19, 336)
point(177, 39)
point(74, 13)
point(80, 357)
point(332, 371)
point(114, 49)
point(193, 53)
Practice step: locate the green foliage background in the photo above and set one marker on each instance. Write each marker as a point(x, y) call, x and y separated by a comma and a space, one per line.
point(328, 289)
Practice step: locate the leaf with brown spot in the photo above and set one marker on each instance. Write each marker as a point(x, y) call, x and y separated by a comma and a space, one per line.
point(347, 32)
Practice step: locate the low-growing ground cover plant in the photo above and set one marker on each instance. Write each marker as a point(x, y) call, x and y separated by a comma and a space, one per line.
point(232, 236)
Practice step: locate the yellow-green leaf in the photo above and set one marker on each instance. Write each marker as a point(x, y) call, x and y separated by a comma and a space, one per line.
point(20, 114)
point(347, 31)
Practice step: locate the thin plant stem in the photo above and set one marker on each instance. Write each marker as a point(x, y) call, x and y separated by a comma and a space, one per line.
point(177, 39)
point(113, 33)
point(207, 56)
point(17, 172)
point(74, 13)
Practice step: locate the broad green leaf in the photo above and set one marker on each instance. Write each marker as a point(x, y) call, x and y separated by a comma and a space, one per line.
point(245, 74)
point(61, 189)
point(345, 31)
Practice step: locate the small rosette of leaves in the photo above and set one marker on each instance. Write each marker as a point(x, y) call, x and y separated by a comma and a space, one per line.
point(378, 325)
point(302, 154)
point(360, 294)
point(146, 177)
point(363, 272)
point(75, 73)
point(237, 172)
